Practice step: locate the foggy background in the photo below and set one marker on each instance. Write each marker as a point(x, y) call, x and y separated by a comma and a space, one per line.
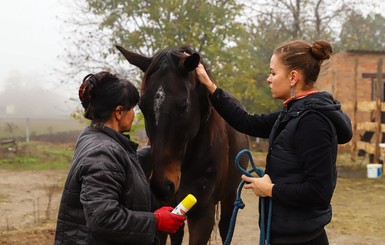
point(30, 69)
point(34, 82)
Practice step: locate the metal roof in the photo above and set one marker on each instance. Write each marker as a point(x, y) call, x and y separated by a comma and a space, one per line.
point(365, 51)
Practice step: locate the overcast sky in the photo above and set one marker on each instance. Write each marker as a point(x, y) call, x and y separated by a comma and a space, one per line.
point(31, 40)
point(31, 37)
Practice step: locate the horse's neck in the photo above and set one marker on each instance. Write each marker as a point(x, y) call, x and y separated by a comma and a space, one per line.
point(212, 127)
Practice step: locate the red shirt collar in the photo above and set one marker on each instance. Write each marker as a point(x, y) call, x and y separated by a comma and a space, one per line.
point(300, 96)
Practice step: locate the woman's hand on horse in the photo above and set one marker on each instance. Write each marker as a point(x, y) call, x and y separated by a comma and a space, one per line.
point(204, 78)
point(262, 187)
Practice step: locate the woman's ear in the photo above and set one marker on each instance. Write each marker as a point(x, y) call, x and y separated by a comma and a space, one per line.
point(118, 112)
point(294, 77)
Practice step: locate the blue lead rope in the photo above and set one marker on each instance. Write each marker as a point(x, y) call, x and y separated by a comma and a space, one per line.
point(264, 236)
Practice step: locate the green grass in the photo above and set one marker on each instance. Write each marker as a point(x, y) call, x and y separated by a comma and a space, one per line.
point(37, 156)
point(3, 199)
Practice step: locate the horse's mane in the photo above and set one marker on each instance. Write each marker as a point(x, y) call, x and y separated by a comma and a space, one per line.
point(168, 58)
point(161, 61)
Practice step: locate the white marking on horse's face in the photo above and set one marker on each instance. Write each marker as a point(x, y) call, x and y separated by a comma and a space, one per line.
point(160, 95)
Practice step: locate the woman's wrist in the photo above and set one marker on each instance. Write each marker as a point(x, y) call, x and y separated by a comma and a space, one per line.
point(270, 192)
point(211, 87)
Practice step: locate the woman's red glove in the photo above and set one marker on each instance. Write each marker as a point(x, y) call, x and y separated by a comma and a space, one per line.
point(167, 221)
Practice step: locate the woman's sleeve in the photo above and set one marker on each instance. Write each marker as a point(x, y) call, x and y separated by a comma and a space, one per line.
point(102, 185)
point(234, 113)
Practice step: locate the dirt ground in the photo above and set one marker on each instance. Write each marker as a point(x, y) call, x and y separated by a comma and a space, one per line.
point(29, 202)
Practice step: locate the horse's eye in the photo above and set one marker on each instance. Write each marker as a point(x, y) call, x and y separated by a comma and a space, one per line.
point(183, 106)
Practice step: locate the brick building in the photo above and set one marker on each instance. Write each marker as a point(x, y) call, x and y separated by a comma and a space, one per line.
point(351, 76)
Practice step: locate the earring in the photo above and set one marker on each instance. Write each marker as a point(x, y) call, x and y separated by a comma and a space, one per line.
point(292, 93)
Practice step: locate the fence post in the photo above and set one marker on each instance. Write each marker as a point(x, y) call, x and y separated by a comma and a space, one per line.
point(27, 130)
point(378, 132)
point(353, 146)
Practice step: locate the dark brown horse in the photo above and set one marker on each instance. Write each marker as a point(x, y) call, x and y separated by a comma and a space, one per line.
point(193, 148)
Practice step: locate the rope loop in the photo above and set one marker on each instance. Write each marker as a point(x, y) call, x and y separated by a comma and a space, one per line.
point(239, 203)
point(264, 236)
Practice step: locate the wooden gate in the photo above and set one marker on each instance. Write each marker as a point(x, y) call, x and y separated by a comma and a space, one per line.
point(377, 126)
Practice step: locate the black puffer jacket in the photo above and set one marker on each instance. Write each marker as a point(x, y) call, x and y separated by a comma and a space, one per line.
point(303, 139)
point(106, 198)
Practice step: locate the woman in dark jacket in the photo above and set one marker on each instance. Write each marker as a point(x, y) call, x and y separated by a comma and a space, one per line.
point(106, 198)
point(300, 175)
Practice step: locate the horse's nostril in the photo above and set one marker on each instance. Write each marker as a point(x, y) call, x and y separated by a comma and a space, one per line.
point(170, 186)
point(164, 190)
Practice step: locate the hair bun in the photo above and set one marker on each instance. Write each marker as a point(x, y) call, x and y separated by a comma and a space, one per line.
point(321, 50)
point(85, 90)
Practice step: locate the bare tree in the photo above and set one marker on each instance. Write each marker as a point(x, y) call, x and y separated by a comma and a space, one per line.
point(310, 19)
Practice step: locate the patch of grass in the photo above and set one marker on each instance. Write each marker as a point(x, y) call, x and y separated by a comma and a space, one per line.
point(3, 199)
point(38, 156)
point(345, 159)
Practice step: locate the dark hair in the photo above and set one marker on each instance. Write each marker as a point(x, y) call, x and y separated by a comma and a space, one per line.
point(306, 57)
point(102, 92)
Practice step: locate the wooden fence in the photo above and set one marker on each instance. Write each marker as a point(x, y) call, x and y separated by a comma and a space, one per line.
point(376, 108)
point(374, 147)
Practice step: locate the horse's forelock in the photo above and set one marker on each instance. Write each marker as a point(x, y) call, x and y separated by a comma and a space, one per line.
point(168, 58)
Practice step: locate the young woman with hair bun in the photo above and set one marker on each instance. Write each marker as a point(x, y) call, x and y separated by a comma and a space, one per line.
point(106, 197)
point(300, 175)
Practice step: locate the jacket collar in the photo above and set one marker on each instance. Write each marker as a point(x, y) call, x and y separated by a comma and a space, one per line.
point(123, 139)
point(324, 103)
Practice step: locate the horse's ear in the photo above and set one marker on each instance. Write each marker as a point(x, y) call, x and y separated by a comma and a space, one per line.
point(135, 59)
point(192, 61)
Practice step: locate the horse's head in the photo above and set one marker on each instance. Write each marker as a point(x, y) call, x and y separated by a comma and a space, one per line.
point(174, 105)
